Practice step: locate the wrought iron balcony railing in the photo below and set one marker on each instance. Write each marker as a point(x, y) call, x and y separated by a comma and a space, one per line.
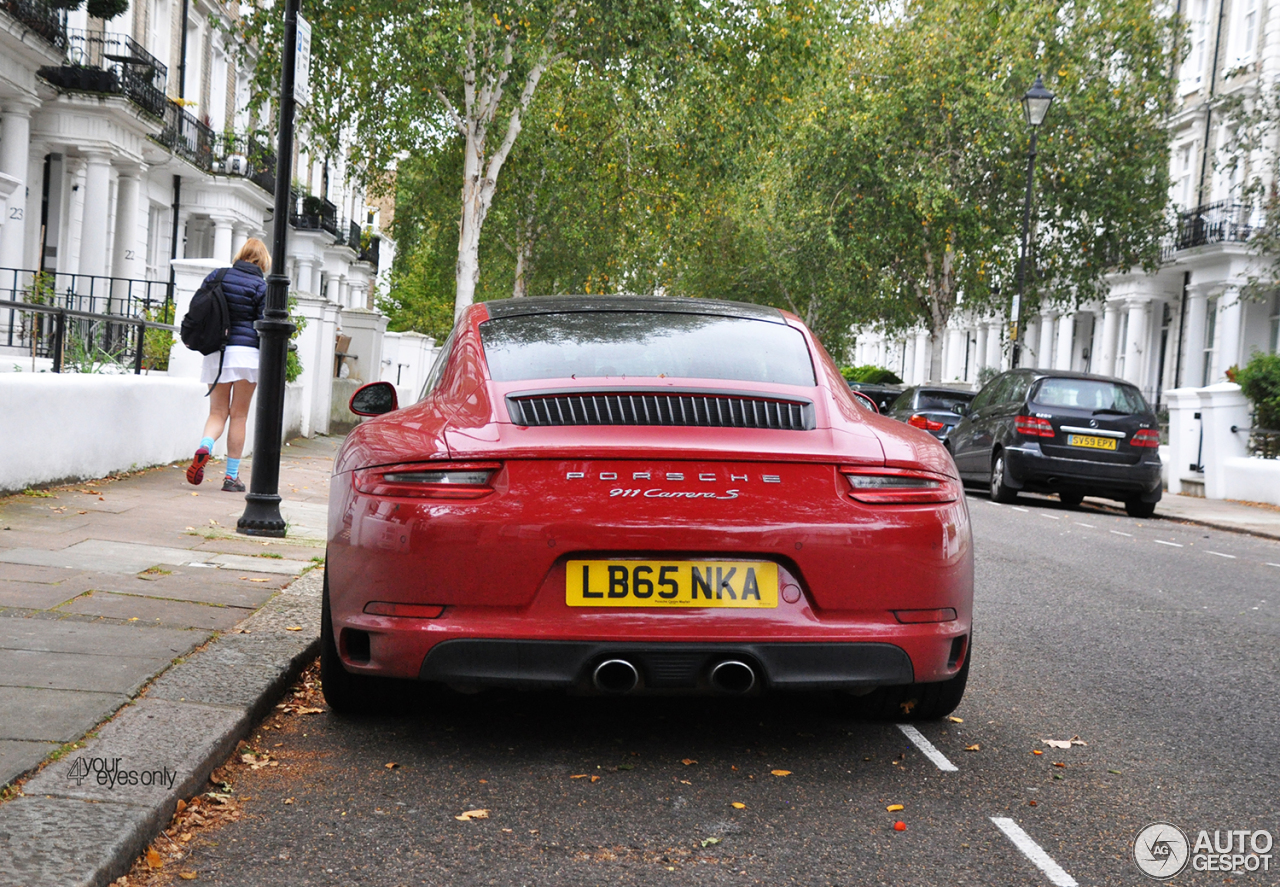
point(41, 18)
point(1221, 222)
point(111, 63)
point(187, 137)
point(245, 155)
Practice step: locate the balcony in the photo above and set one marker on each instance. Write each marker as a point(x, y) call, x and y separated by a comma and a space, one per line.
point(311, 213)
point(1222, 222)
point(113, 64)
point(369, 251)
point(187, 137)
point(245, 155)
point(41, 18)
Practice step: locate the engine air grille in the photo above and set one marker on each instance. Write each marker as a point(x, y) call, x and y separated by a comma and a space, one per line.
point(643, 408)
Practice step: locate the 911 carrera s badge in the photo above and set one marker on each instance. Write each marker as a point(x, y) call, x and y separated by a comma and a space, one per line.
point(676, 476)
point(658, 493)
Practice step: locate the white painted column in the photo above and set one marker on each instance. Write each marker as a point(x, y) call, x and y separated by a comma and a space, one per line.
point(995, 351)
point(922, 357)
point(127, 259)
point(222, 240)
point(1044, 351)
point(15, 148)
point(1230, 317)
point(1030, 342)
point(317, 281)
point(980, 351)
point(909, 360)
point(1066, 339)
point(1110, 333)
point(239, 234)
point(1136, 345)
point(97, 204)
point(302, 276)
point(954, 359)
point(1193, 340)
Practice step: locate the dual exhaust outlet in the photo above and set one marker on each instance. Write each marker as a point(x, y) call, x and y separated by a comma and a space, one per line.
point(732, 677)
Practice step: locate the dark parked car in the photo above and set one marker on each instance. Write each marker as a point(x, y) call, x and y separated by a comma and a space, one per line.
point(883, 395)
point(1072, 434)
point(935, 410)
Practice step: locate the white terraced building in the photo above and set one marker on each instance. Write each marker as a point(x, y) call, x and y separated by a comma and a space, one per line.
point(116, 135)
point(1185, 325)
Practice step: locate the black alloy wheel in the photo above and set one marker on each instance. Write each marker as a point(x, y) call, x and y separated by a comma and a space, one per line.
point(1000, 491)
point(1138, 508)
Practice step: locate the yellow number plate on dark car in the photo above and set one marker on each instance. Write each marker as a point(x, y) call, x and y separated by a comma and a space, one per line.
point(671, 584)
point(1096, 443)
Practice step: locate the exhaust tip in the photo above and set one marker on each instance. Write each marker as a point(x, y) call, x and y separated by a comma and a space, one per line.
point(615, 676)
point(733, 676)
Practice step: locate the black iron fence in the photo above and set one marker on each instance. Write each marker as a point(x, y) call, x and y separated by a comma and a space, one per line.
point(86, 323)
point(111, 63)
point(369, 251)
point(187, 137)
point(41, 18)
point(1221, 222)
point(1263, 442)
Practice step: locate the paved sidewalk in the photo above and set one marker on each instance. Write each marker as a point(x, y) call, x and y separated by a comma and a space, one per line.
point(105, 585)
point(1224, 514)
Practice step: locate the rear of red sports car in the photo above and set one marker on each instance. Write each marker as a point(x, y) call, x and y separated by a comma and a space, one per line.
point(618, 495)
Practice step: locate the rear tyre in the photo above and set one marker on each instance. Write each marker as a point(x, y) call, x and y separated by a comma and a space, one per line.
point(346, 693)
point(916, 702)
point(1071, 499)
point(1138, 508)
point(1000, 491)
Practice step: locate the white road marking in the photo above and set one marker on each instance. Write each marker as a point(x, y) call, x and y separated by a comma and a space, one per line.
point(1121, 533)
point(1220, 554)
point(925, 746)
point(1033, 851)
point(1162, 542)
point(1016, 508)
point(1269, 564)
point(1051, 516)
point(1090, 526)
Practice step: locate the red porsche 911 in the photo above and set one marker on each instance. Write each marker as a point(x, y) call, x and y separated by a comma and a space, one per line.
point(644, 495)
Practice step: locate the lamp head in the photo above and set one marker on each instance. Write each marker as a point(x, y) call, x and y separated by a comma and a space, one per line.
point(1035, 104)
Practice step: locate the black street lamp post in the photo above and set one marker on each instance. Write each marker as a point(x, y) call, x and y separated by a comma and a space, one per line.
point(1035, 106)
point(262, 503)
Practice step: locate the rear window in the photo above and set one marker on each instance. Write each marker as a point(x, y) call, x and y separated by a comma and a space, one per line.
point(638, 344)
point(1090, 394)
point(942, 400)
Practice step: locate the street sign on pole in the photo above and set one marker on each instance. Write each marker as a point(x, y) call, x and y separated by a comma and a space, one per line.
point(302, 64)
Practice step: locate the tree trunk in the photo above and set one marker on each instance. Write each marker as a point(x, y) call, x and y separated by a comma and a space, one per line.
point(937, 336)
point(524, 263)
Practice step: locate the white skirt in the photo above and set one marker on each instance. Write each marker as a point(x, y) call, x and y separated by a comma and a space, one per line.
point(239, 363)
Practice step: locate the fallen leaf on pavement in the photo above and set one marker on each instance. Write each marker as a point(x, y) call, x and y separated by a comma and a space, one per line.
point(288, 800)
point(595, 778)
point(894, 808)
point(1057, 764)
point(293, 628)
point(707, 842)
point(953, 719)
point(974, 747)
point(687, 761)
point(472, 814)
point(738, 805)
point(780, 772)
point(309, 711)
point(187, 876)
point(1036, 751)
point(578, 776)
point(247, 579)
point(1057, 743)
point(153, 859)
point(391, 765)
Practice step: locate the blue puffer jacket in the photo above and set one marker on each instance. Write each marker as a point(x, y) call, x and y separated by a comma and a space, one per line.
point(246, 291)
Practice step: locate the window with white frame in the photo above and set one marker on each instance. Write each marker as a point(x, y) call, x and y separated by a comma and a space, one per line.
point(1246, 31)
point(1184, 162)
point(1122, 343)
point(1193, 66)
point(1210, 331)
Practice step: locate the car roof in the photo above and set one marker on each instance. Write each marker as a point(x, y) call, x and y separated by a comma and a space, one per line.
point(1067, 374)
point(943, 389)
point(662, 304)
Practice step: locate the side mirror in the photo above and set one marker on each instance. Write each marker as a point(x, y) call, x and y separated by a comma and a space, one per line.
point(374, 399)
point(962, 409)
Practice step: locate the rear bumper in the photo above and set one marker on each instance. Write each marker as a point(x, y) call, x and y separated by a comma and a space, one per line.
point(664, 666)
point(1030, 469)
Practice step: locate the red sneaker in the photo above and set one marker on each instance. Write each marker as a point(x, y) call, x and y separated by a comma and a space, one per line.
point(195, 471)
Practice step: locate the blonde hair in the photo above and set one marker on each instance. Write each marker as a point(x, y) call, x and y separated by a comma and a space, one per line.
point(255, 251)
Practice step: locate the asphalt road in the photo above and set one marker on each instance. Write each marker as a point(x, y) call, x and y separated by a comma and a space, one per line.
point(1156, 643)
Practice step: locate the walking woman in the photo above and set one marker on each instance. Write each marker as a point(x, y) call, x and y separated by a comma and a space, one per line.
point(245, 286)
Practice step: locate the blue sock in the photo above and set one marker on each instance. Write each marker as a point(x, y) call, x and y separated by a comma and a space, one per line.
point(207, 443)
point(233, 467)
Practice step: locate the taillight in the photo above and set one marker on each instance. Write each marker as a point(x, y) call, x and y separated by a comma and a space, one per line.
point(919, 420)
point(1033, 426)
point(447, 481)
point(890, 486)
point(1146, 437)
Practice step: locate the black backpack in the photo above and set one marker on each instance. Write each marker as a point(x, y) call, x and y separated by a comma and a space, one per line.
point(208, 322)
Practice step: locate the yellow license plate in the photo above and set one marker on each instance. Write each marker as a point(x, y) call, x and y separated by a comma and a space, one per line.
point(671, 584)
point(1097, 443)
